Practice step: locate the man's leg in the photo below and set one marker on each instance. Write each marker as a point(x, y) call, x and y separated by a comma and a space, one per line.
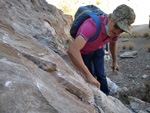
point(98, 61)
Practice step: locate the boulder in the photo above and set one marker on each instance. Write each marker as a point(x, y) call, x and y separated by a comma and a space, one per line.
point(129, 54)
point(138, 105)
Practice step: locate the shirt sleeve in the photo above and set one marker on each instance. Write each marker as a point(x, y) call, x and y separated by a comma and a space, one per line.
point(87, 29)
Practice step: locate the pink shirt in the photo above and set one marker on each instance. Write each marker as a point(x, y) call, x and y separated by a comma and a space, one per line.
point(88, 30)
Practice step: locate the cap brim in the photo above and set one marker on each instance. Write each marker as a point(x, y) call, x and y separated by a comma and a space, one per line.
point(124, 27)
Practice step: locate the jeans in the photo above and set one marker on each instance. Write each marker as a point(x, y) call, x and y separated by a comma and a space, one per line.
point(95, 63)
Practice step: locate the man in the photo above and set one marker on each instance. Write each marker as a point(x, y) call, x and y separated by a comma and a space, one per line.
point(88, 57)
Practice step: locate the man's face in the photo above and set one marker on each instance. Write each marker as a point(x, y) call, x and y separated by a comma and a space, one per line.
point(113, 30)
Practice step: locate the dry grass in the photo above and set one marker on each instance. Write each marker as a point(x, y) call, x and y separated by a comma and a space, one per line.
point(125, 35)
point(133, 35)
point(131, 45)
point(145, 35)
point(148, 47)
point(136, 34)
point(124, 46)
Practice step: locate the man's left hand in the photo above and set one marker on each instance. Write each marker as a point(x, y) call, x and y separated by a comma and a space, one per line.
point(116, 67)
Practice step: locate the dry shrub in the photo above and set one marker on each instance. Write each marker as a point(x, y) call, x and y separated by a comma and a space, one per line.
point(131, 45)
point(125, 35)
point(148, 47)
point(124, 46)
point(135, 34)
point(145, 35)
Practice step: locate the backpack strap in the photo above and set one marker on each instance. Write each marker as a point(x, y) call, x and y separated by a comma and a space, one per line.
point(98, 25)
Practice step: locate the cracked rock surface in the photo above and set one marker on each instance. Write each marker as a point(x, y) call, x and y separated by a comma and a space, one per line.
point(34, 78)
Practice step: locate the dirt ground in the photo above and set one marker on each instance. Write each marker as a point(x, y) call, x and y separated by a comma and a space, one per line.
point(134, 72)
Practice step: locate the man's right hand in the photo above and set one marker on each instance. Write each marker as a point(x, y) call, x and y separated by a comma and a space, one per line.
point(93, 81)
point(75, 55)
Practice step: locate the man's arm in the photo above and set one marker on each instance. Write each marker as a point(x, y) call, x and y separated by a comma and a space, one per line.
point(113, 50)
point(75, 55)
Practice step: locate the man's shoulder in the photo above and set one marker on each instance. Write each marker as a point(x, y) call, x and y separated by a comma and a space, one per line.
point(102, 17)
point(90, 21)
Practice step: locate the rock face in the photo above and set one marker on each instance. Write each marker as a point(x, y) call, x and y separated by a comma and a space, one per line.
point(138, 105)
point(33, 76)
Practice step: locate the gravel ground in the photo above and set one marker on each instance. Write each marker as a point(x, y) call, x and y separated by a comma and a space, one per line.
point(135, 72)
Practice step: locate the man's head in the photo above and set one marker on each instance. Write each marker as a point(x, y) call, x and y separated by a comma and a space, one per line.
point(120, 20)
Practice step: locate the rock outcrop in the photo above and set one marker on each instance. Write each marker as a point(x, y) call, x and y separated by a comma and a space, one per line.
point(138, 105)
point(33, 75)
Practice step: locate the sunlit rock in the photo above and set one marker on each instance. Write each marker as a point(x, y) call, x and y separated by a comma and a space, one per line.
point(129, 54)
point(33, 75)
point(137, 105)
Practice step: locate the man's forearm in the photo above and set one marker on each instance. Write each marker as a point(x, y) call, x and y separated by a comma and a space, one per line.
point(113, 50)
point(78, 62)
point(75, 55)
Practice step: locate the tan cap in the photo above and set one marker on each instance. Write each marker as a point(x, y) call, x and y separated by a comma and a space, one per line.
point(125, 17)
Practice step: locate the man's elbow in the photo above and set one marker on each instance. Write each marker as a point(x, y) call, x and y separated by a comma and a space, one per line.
point(113, 43)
